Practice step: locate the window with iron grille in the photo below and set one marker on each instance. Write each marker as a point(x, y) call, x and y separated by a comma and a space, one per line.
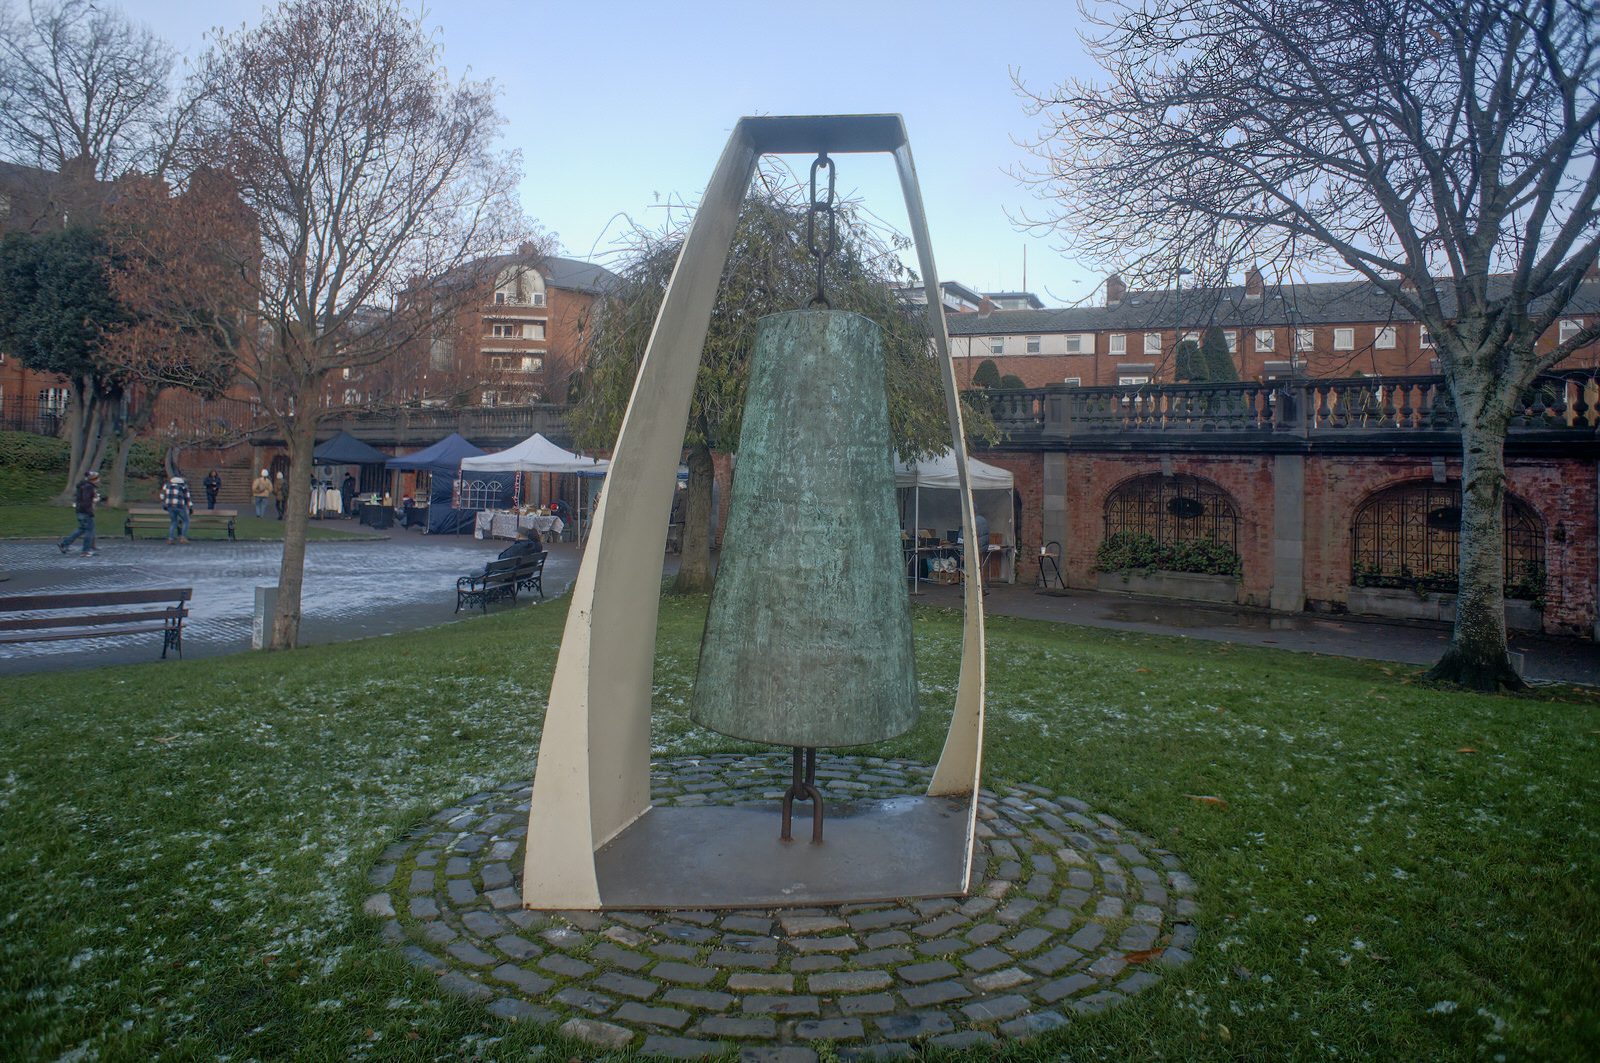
point(1409, 536)
point(1172, 510)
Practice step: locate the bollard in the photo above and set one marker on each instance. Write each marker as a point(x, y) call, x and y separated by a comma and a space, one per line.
point(261, 623)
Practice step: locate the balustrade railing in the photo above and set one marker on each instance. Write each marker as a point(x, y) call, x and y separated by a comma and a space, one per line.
point(1562, 401)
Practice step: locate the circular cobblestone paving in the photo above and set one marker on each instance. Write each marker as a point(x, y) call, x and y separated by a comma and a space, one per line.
point(1069, 912)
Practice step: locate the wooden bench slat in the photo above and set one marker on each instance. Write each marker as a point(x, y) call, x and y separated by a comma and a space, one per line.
point(17, 603)
point(36, 623)
point(94, 634)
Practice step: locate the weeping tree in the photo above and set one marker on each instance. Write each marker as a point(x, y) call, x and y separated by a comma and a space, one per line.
point(768, 271)
point(1448, 151)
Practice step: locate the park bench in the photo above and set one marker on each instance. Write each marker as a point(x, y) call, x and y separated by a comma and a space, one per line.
point(96, 614)
point(157, 518)
point(501, 578)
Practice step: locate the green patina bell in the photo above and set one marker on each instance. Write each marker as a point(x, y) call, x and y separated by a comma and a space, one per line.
point(808, 642)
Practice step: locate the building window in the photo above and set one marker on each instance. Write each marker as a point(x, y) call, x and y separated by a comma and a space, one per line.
point(1383, 337)
point(1305, 339)
point(1231, 338)
point(533, 330)
point(1426, 337)
point(1119, 343)
point(1173, 510)
point(1079, 342)
point(1132, 381)
point(1266, 340)
point(53, 401)
point(352, 397)
point(997, 344)
point(500, 299)
point(1344, 339)
point(1073, 381)
point(532, 364)
point(538, 298)
point(1409, 536)
point(1570, 327)
point(1035, 344)
point(1152, 343)
point(491, 398)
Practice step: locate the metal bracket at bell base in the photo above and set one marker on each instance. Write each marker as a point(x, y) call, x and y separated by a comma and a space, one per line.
point(594, 840)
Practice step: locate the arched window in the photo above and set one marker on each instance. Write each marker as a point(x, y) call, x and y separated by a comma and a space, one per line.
point(1173, 510)
point(1409, 535)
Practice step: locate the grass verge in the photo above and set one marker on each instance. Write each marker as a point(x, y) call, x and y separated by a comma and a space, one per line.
point(1388, 870)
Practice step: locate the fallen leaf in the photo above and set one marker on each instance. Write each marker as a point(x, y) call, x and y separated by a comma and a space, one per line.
point(1142, 956)
point(169, 738)
point(1143, 671)
point(1467, 749)
point(1207, 799)
point(1224, 1034)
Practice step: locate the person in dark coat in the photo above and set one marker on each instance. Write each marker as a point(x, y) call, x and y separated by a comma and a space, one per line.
point(213, 484)
point(83, 503)
point(280, 494)
point(347, 491)
point(528, 542)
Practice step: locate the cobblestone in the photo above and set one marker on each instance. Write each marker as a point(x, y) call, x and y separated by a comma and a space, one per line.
point(1041, 940)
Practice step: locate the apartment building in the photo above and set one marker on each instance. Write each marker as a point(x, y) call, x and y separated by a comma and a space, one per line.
point(1321, 329)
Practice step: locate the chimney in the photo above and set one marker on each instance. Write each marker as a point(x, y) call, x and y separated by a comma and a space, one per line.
point(1254, 286)
point(1593, 272)
point(985, 306)
point(1115, 289)
point(1407, 283)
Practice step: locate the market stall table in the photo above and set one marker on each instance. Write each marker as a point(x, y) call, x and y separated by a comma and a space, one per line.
point(496, 524)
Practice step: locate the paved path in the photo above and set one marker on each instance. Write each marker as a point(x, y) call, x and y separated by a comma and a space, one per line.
point(352, 589)
point(1545, 659)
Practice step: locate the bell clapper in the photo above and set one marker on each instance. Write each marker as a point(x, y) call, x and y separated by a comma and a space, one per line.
point(803, 785)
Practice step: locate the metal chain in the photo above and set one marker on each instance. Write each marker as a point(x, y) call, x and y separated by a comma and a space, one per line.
point(822, 206)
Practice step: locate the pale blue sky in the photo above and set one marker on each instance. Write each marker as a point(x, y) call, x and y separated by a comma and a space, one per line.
point(613, 104)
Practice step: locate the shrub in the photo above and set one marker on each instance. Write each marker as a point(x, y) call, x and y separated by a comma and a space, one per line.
point(24, 450)
point(987, 375)
point(1011, 382)
point(1125, 551)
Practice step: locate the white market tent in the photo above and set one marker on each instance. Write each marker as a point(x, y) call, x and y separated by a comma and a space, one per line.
point(935, 499)
point(536, 454)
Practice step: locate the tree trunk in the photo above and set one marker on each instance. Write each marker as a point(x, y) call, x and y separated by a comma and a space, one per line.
point(1477, 657)
point(86, 434)
point(694, 567)
point(301, 438)
point(117, 486)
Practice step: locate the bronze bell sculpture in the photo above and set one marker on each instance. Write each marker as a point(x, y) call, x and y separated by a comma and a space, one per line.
point(808, 642)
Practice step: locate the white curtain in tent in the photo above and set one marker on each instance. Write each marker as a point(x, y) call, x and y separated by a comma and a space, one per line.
point(936, 499)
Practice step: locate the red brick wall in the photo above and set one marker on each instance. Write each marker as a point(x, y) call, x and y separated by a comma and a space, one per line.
point(1246, 479)
point(1028, 472)
point(1563, 492)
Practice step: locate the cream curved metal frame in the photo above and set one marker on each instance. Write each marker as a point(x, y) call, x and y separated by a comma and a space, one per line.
point(592, 779)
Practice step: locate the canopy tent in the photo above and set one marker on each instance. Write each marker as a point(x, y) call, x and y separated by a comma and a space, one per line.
point(534, 454)
point(441, 461)
point(346, 449)
point(931, 492)
point(537, 455)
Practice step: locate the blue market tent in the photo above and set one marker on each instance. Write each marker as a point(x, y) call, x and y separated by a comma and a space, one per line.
point(442, 461)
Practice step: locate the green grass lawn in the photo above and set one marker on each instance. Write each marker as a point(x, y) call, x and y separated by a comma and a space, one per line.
point(26, 512)
point(1397, 872)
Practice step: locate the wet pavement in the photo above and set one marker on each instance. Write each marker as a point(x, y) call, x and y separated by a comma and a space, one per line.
point(352, 589)
point(1545, 659)
point(357, 589)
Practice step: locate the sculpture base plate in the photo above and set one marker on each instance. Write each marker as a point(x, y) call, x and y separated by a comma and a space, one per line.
point(730, 856)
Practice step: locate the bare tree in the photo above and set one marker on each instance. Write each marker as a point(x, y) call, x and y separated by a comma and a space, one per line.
point(365, 169)
point(78, 81)
point(1446, 150)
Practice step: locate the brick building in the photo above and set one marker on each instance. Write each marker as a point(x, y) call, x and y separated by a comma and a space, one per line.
point(520, 338)
point(1324, 329)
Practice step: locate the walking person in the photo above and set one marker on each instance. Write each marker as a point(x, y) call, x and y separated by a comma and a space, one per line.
point(280, 494)
point(261, 492)
point(83, 503)
point(176, 501)
point(347, 491)
point(213, 485)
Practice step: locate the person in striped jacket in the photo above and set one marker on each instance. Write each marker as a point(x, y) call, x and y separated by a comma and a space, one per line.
point(176, 501)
